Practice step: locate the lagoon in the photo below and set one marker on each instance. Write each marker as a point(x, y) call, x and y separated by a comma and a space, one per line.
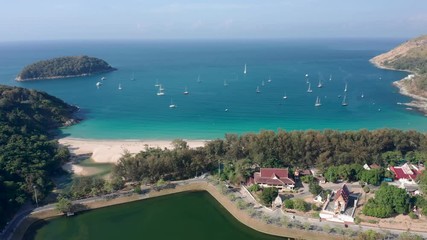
point(189, 215)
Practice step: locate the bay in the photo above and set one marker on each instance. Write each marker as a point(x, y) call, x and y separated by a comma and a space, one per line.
point(211, 109)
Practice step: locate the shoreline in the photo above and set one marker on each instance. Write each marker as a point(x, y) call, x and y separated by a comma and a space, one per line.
point(419, 103)
point(18, 79)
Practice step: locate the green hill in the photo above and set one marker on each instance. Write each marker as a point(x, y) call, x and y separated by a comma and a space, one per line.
point(28, 155)
point(64, 67)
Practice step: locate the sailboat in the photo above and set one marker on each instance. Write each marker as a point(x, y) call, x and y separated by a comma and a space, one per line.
point(317, 104)
point(257, 89)
point(98, 84)
point(362, 96)
point(133, 77)
point(344, 102)
point(309, 88)
point(172, 105)
point(285, 96)
point(345, 88)
point(330, 77)
point(269, 79)
point(306, 78)
point(225, 83)
point(263, 83)
point(186, 91)
point(120, 86)
point(244, 70)
point(103, 78)
point(320, 84)
point(160, 92)
point(157, 83)
point(198, 79)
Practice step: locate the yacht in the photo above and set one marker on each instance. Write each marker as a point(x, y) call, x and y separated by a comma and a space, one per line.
point(317, 104)
point(309, 88)
point(120, 86)
point(185, 91)
point(160, 92)
point(98, 84)
point(285, 96)
point(157, 83)
point(103, 78)
point(344, 102)
point(320, 84)
point(172, 105)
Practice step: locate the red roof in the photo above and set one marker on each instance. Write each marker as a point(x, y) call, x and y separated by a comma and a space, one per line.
point(344, 192)
point(400, 173)
point(273, 176)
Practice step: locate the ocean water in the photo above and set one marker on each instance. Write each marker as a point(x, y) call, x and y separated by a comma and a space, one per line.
point(136, 112)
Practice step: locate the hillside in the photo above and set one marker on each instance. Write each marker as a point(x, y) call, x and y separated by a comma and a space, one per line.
point(28, 156)
point(64, 67)
point(410, 56)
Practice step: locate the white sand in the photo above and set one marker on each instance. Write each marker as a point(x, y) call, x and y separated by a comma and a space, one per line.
point(110, 151)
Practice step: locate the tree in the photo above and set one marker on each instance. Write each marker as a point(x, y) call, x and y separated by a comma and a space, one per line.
point(315, 188)
point(268, 195)
point(388, 200)
point(289, 204)
point(64, 205)
point(301, 205)
point(422, 182)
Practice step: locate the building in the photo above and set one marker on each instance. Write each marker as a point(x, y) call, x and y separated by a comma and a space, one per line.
point(340, 206)
point(372, 166)
point(407, 173)
point(274, 177)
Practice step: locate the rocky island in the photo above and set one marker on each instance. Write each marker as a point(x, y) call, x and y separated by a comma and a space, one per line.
point(410, 56)
point(63, 67)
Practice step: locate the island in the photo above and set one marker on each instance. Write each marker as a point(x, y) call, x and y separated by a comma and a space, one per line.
point(411, 56)
point(64, 67)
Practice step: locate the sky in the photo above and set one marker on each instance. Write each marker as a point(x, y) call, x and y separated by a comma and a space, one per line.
point(28, 20)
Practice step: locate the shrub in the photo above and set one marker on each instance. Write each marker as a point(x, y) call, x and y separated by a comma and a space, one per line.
point(289, 204)
point(412, 215)
point(254, 188)
point(366, 189)
point(301, 205)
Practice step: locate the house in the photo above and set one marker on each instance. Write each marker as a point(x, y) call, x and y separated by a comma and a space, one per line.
point(372, 166)
point(300, 173)
point(340, 206)
point(274, 177)
point(407, 173)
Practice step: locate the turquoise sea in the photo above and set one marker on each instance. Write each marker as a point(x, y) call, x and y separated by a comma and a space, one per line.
point(136, 112)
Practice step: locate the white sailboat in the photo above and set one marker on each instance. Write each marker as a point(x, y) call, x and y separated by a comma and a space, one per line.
point(257, 89)
point(285, 96)
point(317, 104)
point(103, 78)
point(172, 105)
point(269, 79)
point(186, 91)
point(98, 84)
point(225, 83)
point(198, 79)
point(263, 83)
point(244, 70)
point(362, 96)
point(330, 77)
point(306, 78)
point(157, 83)
point(120, 86)
point(344, 102)
point(309, 88)
point(320, 84)
point(345, 88)
point(160, 92)
point(133, 77)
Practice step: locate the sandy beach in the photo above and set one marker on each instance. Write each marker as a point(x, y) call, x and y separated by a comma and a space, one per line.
point(110, 151)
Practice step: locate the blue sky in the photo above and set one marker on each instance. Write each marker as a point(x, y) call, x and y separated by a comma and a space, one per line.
point(22, 20)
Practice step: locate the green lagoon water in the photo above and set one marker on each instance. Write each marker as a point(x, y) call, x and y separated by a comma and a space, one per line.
point(191, 215)
point(136, 112)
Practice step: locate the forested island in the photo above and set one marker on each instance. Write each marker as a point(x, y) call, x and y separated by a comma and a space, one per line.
point(29, 157)
point(410, 56)
point(64, 67)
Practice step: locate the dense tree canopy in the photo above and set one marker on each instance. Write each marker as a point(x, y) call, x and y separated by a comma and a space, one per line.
point(63, 67)
point(388, 200)
point(28, 157)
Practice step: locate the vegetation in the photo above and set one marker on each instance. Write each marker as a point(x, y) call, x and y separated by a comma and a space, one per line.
point(388, 201)
point(238, 154)
point(64, 67)
point(289, 204)
point(28, 157)
point(314, 188)
point(301, 205)
point(268, 195)
point(356, 172)
point(64, 205)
